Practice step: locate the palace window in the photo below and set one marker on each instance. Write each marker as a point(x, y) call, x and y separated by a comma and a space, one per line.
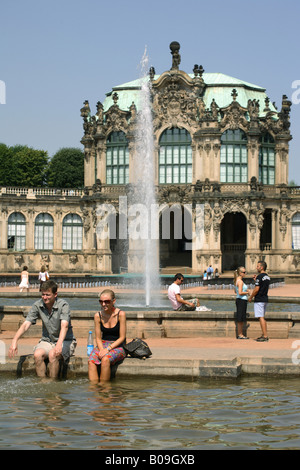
point(117, 159)
point(72, 233)
point(175, 157)
point(234, 157)
point(267, 160)
point(296, 231)
point(43, 232)
point(16, 234)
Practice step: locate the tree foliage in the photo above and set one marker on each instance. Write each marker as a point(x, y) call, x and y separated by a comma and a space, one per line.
point(26, 167)
point(22, 166)
point(66, 169)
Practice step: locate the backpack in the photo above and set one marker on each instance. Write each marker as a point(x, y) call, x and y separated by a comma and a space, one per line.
point(137, 348)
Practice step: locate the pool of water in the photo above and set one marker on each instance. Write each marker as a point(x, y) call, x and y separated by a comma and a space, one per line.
point(92, 304)
point(255, 413)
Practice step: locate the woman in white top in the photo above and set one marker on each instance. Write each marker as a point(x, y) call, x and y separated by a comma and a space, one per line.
point(43, 276)
point(24, 280)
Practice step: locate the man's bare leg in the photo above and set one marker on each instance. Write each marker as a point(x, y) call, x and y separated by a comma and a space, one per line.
point(40, 365)
point(53, 364)
point(263, 325)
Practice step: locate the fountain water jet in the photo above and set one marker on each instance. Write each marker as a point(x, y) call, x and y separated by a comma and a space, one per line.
point(144, 187)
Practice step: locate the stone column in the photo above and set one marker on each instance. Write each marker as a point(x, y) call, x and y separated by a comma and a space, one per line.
point(281, 164)
point(100, 162)
point(30, 230)
point(253, 157)
point(89, 162)
point(57, 230)
point(3, 229)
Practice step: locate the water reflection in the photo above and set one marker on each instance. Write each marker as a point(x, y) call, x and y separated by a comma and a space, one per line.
point(91, 304)
point(247, 413)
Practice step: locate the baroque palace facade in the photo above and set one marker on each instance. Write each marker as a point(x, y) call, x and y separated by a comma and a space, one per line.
point(219, 143)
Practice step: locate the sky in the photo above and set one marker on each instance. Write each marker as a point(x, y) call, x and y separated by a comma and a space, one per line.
point(54, 55)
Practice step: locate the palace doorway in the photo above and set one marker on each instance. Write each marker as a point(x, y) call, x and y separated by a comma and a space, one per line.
point(175, 237)
point(233, 240)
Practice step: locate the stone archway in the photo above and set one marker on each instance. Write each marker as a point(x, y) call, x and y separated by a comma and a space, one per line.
point(119, 247)
point(233, 240)
point(175, 236)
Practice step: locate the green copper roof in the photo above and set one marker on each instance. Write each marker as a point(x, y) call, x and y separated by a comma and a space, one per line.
point(218, 87)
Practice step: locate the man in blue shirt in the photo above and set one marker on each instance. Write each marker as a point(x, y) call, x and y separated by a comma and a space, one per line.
point(57, 340)
point(210, 272)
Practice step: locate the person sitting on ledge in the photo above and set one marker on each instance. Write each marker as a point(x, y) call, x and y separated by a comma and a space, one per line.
point(178, 303)
point(110, 332)
point(57, 340)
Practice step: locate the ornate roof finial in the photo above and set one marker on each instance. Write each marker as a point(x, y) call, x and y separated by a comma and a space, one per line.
point(115, 97)
point(201, 71)
point(151, 73)
point(198, 70)
point(267, 103)
point(85, 110)
point(175, 48)
point(234, 94)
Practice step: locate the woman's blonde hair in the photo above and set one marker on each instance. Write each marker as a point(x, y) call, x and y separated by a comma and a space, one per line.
point(236, 274)
point(110, 292)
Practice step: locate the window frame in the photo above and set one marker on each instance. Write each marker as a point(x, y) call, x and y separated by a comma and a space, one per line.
point(267, 171)
point(175, 157)
point(296, 231)
point(117, 159)
point(234, 157)
point(17, 229)
point(72, 233)
point(44, 232)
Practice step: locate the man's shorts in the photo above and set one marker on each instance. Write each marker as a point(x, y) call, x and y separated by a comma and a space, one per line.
point(185, 307)
point(68, 348)
point(260, 309)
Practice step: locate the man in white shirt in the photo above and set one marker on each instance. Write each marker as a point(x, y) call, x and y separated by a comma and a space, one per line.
point(178, 303)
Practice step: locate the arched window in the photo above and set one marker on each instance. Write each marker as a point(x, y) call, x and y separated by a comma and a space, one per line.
point(117, 159)
point(234, 157)
point(43, 232)
point(72, 233)
point(175, 157)
point(16, 233)
point(296, 231)
point(267, 159)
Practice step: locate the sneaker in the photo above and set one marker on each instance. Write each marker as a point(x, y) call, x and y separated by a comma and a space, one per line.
point(262, 339)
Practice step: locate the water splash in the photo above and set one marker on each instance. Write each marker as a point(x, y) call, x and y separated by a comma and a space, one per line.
point(145, 183)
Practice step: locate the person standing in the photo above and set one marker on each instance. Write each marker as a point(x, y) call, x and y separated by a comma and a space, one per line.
point(260, 295)
point(24, 280)
point(57, 340)
point(174, 295)
point(242, 292)
point(210, 272)
point(43, 276)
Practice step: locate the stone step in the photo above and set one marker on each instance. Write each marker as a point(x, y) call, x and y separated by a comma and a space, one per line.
point(185, 368)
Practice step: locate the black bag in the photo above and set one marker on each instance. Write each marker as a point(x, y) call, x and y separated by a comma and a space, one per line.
point(137, 348)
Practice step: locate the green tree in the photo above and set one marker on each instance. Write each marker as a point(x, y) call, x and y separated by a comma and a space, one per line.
point(7, 164)
point(22, 166)
point(66, 168)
